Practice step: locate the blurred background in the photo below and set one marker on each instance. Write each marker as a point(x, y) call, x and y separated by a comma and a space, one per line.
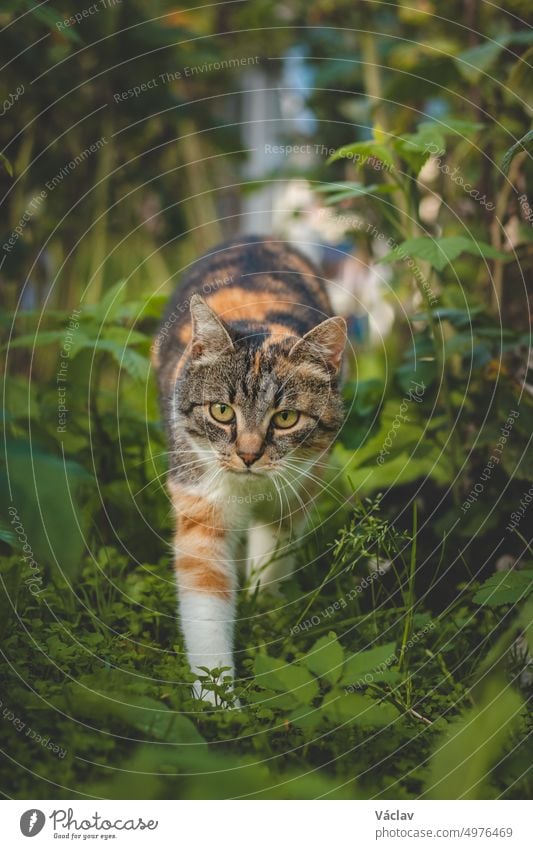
point(391, 142)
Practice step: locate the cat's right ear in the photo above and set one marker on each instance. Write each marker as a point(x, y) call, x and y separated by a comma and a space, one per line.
point(210, 336)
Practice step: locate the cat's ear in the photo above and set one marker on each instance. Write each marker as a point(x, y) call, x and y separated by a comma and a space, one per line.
point(210, 336)
point(323, 344)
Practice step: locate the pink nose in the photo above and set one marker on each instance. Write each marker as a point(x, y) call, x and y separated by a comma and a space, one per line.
point(249, 457)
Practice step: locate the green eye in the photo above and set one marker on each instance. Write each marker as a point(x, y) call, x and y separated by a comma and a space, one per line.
point(285, 418)
point(222, 413)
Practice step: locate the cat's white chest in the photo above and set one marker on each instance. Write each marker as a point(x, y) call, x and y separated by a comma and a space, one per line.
point(250, 497)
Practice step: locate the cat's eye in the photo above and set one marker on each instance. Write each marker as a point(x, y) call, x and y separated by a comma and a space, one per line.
point(285, 418)
point(222, 413)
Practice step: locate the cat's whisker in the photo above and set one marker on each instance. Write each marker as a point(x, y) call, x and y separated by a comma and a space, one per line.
point(167, 472)
point(303, 470)
point(308, 460)
point(300, 483)
point(297, 495)
point(324, 485)
point(280, 492)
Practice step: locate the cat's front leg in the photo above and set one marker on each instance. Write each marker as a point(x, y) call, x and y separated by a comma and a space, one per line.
point(270, 555)
point(206, 579)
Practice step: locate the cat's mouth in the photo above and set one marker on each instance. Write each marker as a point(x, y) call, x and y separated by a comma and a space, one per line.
point(246, 471)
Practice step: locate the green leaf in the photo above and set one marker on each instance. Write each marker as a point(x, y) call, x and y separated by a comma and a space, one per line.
point(128, 360)
point(361, 151)
point(139, 310)
point(457, 317)
point(473, 745)
point(428, 133)
point(290, 678)
point(129, 710)
point(272, 700)
point(414, 148)
point(10, 579)
point(369, 662)
point(430, 138)
point(50, 17)
point(476, 61)
point(47, 494)
point(48, 337)
point(7, 164)
point(325, 658)
point(124, 336)
point(110, 304)
point(460, 127)
point(338, 192)
point(505, 588)
point(525, 143)
point(362, 710)
point(440, 252)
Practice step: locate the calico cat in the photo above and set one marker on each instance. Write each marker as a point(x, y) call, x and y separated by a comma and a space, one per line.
point(248, 360)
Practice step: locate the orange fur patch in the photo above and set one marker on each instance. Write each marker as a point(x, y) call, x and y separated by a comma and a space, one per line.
point(235, 304)
point(277, 332)
point(184, 333)
point(199, 534)
point(202, 576)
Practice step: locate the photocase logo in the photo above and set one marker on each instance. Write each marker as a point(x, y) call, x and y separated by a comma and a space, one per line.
point(32, 822)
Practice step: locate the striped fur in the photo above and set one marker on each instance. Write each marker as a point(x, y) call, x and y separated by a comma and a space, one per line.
point(249, 328)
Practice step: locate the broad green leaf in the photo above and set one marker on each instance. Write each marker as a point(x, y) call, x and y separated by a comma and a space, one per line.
point(129, 710)
point(428, 134)
point(270, 699)
point(138, 310)
point(505, 588)
point(440, 252)
point(325, 658)
point(47, 494)
point(128, 360)
point(362, 710)
point(49, 337)
point(368, 662)
point(106, 311)
point(266, 671)
point(307, 718)
point(461, 765)
point(460, 127)
point(476, 61)
point(360, 152)
point(291, 678)
point(123, 335)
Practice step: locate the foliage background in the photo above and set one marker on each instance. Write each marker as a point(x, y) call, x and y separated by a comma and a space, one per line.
point(412, 684)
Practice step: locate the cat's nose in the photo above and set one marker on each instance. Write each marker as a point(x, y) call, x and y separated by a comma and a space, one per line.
point(249, 457)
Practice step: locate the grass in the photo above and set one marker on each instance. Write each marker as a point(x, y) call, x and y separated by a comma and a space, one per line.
point(344, 692)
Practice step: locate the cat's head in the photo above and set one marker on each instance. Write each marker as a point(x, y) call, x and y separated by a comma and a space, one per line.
point(260, 401)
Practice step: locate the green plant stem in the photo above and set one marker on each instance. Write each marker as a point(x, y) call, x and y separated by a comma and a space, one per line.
point(99, 239)
point(497, 232)
point(410, 606)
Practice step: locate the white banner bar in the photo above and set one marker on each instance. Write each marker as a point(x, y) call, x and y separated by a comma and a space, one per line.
point(268, 825)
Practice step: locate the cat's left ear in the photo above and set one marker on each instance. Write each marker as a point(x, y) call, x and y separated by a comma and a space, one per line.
point(325, 343)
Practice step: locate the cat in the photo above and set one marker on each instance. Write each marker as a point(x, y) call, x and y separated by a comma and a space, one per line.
point(248, 362)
